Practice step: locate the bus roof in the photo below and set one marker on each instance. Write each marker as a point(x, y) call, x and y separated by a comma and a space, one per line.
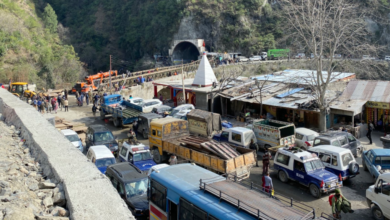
point(183, 181)
point(163, 121)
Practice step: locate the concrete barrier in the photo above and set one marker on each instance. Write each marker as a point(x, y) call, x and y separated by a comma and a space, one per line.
point(89, 194)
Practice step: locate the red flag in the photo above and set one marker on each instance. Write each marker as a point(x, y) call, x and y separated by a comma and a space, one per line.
point(204, 44)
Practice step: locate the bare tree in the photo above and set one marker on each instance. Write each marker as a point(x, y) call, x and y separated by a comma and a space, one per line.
point(257, 93)
point(326, 28)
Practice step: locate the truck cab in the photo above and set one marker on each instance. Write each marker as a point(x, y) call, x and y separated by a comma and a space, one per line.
point(237, 136)
point(378, 197)
point(137, 154)
point(305, 168)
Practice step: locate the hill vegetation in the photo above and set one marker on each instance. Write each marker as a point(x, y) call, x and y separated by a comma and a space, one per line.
point(30, 48)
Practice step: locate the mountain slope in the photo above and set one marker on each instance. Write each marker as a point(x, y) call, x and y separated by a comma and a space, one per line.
point(30, 48)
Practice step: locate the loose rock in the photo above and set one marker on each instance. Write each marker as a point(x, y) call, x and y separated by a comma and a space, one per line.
point(59, 198)
point(46, 185)
point(47, 202)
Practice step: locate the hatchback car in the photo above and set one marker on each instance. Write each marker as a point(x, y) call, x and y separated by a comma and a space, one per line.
point(148, 105)
point(100, 135)
point(132, 186)
point(340, 139)
point(101, 156)
point(73, 137)
point(304, 138)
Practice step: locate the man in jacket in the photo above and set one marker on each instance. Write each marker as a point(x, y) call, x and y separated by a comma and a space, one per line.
point(266, 157)
point(339, 203)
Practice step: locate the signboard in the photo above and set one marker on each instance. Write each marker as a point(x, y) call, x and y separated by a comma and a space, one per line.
point(197, 127)
point(381, 105)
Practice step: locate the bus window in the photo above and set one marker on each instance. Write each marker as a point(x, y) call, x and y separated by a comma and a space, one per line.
point(189, 211)
point(159, 193)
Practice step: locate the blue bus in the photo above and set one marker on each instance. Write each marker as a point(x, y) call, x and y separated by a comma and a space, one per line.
point(190, 192)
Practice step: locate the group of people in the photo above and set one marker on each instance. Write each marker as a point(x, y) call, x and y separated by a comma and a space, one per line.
point(46, 103)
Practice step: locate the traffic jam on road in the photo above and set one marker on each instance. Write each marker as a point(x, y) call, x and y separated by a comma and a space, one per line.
point(200, 166)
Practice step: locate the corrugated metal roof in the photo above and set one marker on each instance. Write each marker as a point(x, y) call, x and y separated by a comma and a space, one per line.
point(367, 90)
point(303, 77)
point(289, 92)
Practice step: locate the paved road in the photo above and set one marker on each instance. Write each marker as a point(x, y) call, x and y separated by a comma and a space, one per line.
point(353, 190)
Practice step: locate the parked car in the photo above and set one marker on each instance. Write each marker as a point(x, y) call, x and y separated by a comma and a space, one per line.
point(73, 137)
point(387, 58)
point(182, 114)
point(337, 160)
point(242, 59)
point(304, 138)
point(305, 168)
point(101, 156)
point(161, 109)
point(264, 55)
point(340, 139)
point(255, 58)
point(137, 101)
point(182, 107)
point(137, 154)
point(100, 135)
point(300, 56)
point(376, 161)
point(236, 136)
point(132, 186)
point(337, 56)
point(143, 123)
point(378, 197)
point(148, 105)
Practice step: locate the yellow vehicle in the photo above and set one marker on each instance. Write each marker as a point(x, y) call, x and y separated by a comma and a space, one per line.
point(20, 89)
point(171, 136)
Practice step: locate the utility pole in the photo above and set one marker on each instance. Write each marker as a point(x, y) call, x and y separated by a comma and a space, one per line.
point(110, 77)
point(182, 81)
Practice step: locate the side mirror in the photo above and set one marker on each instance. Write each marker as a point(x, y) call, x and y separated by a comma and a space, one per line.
point(377, 189)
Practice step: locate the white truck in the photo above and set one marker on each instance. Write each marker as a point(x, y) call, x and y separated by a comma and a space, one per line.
point(273, 134)
point(378, 197)
point(237, 136)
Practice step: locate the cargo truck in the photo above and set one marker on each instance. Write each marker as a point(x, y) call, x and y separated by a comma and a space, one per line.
point(273, 134)
point(122, 111)
point(203, 123)
point(171, 136)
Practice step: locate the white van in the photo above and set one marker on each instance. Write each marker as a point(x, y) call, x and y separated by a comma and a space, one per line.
point(378, 197)
point(182, 108)
point(387, 58)
point(101, 156)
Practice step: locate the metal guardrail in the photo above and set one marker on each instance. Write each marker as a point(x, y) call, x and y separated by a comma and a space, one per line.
point(204, 184)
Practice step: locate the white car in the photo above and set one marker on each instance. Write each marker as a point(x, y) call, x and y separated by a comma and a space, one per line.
point(304, 138)
point(148, 105)
point(255, 58)
point(73, 137)
point(337, 56)
point(243, 59)
point(182, 114)
point(182, 108)
point(300, 56)
point(367, 57)
point(387, 58)
point(378, 197)
point(137, 101)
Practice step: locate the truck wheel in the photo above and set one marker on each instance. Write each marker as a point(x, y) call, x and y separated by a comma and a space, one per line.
point(377, 213)
point(156, 156)
point(102, 115)
point(315, 191)
point(282, 176)
point(364, 165)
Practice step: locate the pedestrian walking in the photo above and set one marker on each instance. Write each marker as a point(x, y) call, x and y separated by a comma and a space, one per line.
point(66, 103)
point(55, 107)
point(35, 104)
point(87, 98)
point(94, 110)
point(132, 136)
point(96, 99)
point(53, 102)
point(266, 157)
point(62, 102)
point(49, 106)
point(172, 160)
point(90, 95)
point(267, 183)
point(81, 99)
point(370, 128)
point(59, 101)
point(339, 203)
point(39, 103)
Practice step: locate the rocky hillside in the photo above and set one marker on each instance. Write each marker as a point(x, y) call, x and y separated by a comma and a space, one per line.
point(134, 29)
point(30, 47)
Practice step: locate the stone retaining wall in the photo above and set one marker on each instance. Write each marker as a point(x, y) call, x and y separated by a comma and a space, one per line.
point(89, 194)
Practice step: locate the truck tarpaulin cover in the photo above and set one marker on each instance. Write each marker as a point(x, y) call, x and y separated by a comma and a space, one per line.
point(203, 122)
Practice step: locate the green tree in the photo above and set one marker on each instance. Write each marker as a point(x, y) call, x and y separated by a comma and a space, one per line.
point(50, 19)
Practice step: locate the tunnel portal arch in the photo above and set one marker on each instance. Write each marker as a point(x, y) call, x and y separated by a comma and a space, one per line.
point(188, 50)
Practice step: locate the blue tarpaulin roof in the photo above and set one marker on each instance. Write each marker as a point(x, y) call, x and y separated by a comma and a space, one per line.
point(289, 92)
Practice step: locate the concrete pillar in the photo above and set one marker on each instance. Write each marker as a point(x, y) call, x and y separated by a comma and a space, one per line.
point(172, 95)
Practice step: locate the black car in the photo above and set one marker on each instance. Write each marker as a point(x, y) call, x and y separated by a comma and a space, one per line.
point(161, 109)
point(340, 139)
point(132, 186)
point(143, 123)
point(100, 135)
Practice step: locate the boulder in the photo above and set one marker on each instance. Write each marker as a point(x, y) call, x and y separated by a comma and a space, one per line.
point(47, 202)
point(59, 198)
point(59, 211)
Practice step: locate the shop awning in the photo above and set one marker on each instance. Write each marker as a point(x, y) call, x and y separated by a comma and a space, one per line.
point(350, 108)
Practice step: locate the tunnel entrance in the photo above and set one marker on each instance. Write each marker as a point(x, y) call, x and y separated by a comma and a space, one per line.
point(185, 51)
